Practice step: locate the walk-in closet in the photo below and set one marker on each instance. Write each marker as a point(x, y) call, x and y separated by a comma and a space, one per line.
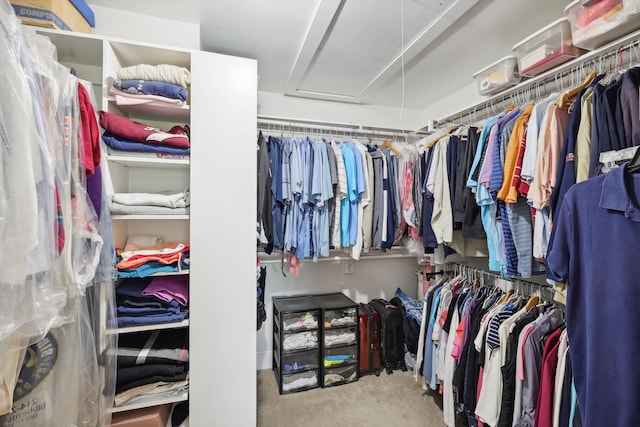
point(438, 200)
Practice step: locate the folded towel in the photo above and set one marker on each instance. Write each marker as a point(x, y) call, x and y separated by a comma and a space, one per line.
point(118, 209)
point(167, 200)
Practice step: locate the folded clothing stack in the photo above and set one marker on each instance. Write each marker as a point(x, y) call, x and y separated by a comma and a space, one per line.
point(152, 300)
point(121, 134)
point(151, 364)
point(164, 203)
point(163, 84)
point(143, 256)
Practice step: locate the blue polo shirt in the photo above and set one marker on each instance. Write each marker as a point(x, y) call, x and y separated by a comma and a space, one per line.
point(594, 248)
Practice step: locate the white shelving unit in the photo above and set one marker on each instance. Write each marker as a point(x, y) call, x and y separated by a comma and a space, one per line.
point(221, 113)
point(134, 174)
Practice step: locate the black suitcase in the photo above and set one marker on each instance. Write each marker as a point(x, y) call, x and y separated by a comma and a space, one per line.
point(392, 335)
point(411, 327)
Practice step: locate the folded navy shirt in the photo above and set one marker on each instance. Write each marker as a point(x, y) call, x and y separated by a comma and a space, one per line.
point(140, 147)
point(153, 319)
point(150, 87)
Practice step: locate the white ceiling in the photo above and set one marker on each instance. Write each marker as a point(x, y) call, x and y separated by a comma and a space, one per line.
point(351, 50)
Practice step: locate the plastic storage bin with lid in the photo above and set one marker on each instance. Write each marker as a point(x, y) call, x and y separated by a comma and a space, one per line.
point(546, 48)
point(498, 76)
point(597, 22)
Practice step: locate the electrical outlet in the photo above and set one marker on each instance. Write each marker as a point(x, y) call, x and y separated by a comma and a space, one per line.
point(348, 267)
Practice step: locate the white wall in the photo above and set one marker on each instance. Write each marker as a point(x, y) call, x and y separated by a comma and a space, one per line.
point(375, 278)
point(278, 105)
point(144, 28)
point(458, 100)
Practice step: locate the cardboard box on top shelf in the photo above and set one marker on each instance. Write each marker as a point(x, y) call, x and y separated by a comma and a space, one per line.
point(70, 15)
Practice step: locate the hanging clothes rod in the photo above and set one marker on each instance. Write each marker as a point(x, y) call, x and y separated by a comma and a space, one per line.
point(622, 53)
point(532, 286)
point(339, 255)
point(311, 127)
point(338, 258)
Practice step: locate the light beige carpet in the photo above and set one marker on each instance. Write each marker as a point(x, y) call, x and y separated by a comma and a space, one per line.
point(384, 401)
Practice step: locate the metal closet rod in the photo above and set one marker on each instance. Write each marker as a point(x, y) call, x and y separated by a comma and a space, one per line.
point(302, 126)
point(338, 256)
point(624, 52)
point(483, 273)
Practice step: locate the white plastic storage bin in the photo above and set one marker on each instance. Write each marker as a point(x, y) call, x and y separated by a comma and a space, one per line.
point(546, 48)
point(498, 76)
point(602, 21)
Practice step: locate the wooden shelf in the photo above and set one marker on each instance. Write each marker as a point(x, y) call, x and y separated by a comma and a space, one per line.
point(149, 162)
point(146, 328)
point(146, 217)
point(151, 402)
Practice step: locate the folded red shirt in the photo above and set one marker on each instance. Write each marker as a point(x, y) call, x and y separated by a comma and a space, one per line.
point(132, 131)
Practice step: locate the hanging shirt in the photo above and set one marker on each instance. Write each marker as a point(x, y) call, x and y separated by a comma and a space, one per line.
point(363, 197)
point(563, 351)
point(599, 131)
point(264, 217)
point(427, 371)
point(368, 199)
point(291, 170)
point(378, 202)
point(629, 100)
point(355, 232)
point(387, 219)
point(277, 201)
point(534, 346)
point(566, 175)
point(392, 164)
point(321, 193)
point(544, 406)
point(534, 127)
point(340, 193)
point(476, 165)
point(438, 185)
point(505, 128)
point(485, 199)
point(600, 209)
point(304, 221)
point(583, 140)
point(350, 200)
point(519, 185)
point(513, 149)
